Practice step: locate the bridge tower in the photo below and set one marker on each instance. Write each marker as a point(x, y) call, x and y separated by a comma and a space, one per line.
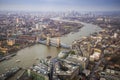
point(58, 42)
point(48, 41)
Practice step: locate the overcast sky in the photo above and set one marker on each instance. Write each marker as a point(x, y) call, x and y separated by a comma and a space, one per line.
point(60, 5)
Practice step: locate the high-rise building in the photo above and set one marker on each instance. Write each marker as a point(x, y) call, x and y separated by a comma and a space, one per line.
point(17, 20)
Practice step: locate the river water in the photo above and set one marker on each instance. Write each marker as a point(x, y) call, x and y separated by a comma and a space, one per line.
point(27, 56)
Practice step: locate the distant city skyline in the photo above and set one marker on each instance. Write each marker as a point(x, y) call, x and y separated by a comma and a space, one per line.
point(60, 5)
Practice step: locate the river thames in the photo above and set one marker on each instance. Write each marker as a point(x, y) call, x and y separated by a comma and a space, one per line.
point(30, 55)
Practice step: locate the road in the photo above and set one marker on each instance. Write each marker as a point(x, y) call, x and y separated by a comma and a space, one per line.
point(92, 74)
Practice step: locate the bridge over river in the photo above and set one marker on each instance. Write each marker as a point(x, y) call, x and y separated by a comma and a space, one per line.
point(56, 42)
point(30, 55)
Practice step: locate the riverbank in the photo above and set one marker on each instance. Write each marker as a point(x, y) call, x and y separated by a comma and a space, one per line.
point(13, 53)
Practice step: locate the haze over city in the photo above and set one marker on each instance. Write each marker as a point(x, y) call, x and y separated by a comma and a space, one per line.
point(60, 5)
point(59, 39)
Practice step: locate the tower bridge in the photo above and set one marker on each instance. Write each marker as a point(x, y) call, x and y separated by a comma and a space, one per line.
point(56, 42)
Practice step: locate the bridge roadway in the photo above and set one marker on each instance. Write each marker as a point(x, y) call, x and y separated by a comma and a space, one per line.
point(62, 45)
